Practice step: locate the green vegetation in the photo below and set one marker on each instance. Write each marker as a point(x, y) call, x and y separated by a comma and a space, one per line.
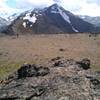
point(7, 68)
point(95, 67)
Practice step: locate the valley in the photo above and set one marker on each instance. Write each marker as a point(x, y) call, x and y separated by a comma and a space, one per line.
point(42, 48)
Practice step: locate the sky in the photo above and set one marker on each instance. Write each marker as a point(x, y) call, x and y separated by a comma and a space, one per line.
point(80, 7)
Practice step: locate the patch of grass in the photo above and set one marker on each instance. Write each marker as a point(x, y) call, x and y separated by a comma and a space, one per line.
point(7, 68)
point(96, 67)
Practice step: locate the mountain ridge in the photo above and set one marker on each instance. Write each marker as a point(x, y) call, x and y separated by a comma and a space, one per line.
point(52, 19)
point(93, 20)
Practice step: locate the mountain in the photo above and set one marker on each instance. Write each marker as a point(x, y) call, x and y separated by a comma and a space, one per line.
point(53, 19)
point(6, 21)
point(3, 24)
point(12, 17)
point(92, 20)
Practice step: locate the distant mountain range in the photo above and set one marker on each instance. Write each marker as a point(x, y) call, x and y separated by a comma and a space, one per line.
point(53, 19)
point(92, 20)
point(3, 24)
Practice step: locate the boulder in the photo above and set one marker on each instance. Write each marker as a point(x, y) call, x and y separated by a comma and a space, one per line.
point(28, 70)
point(95, 81)
point(84, 63)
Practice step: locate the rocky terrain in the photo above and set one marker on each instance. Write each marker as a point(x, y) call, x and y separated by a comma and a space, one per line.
point(61, 79)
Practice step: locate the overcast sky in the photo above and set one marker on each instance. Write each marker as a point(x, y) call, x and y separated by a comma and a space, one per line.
point(82, 7)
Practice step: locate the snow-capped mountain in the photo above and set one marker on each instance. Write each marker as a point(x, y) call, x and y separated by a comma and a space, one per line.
point(92, 20)
point(12, 17)
point(6, 20)
point(53, 19)
point(2, 21)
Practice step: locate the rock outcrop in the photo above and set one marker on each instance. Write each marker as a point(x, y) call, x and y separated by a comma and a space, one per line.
point(31, 70)
point(61, 80)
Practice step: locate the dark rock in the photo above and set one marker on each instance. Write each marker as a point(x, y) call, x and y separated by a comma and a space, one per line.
point(61, 49)
point(9, 98)
point(57, 58)
point(95, 88)
point(63, 62)
point(85, 64)
point(95, 81)
point(1, 53)
point(59, 63)
point(28, 70)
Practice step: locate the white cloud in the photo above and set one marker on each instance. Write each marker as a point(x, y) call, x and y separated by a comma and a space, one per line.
point(90, 9)
point(5, 10)
point(33, 3)
point(83, 7)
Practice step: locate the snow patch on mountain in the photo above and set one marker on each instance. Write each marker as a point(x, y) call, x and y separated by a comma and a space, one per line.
point(75, 29)
point(54, 9)
point(29, 18)
point(31, 25)
point(57, 9)
point(64, 15)
point(12, 17)
point(24, 24)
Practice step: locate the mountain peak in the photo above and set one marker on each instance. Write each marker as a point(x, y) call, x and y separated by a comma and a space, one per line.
point(55, 8)
point(55, 5)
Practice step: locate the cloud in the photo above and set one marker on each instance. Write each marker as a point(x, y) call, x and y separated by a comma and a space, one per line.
point(33, 3)
point(5, 9)
point(83, 7)
point(91, 9)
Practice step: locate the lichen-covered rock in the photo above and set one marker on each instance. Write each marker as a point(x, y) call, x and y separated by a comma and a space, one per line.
point(61, 62)
point(65, 81)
